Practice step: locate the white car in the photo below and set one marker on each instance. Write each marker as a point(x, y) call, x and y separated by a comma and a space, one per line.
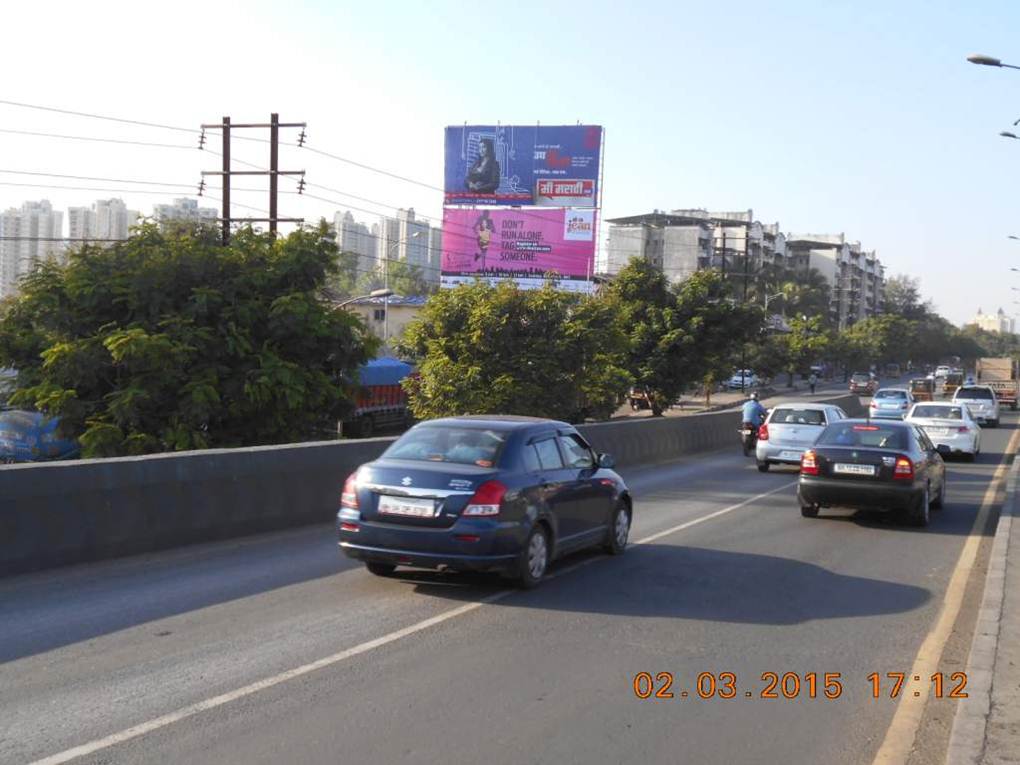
point(750, 380)
point(942, 371)
point(790, 429)
point(981, 401)
point(950, 424)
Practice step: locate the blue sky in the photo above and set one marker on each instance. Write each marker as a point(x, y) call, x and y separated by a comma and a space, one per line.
point(855, 117)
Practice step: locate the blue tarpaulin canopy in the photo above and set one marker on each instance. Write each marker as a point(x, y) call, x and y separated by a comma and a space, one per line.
point(384, 371)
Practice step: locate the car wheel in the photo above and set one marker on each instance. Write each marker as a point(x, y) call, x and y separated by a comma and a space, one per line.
point(920, 513)
point(534, 558)
point(939, 502)
point(380, 569)
point(763, 467)
point(809, 511)
point(619, 530)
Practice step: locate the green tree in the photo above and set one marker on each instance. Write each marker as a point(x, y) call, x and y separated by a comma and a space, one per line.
point(681, 335)
point(806, 342)
point(903, 297)
point(169, 341)
point(501, 349)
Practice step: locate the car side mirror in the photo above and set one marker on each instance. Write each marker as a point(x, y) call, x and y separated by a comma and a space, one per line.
point(606, 461)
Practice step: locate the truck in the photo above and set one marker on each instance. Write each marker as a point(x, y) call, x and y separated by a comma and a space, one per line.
point(1002, 375)
point(381, 402)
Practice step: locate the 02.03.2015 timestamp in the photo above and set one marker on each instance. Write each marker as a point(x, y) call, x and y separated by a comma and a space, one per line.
point(793, 685)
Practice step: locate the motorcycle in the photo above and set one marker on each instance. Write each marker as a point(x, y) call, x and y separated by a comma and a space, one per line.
point(748, 437)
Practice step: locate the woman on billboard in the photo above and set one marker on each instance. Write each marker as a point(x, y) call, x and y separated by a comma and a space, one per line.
point(483, 175)
point(484, 229)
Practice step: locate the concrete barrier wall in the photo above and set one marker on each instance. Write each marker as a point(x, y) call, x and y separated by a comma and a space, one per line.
point(68, 512)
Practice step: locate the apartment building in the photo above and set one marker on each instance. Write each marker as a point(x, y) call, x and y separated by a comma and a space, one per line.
point(28, 235)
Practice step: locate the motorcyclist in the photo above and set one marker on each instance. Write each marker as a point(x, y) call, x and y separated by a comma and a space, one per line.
point(753, 412)
point(813, 381)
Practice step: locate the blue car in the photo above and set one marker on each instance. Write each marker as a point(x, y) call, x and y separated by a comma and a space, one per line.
point(483, 493)
point(33, 437)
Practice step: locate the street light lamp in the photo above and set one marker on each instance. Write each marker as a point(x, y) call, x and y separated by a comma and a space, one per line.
point(373, 294)
point(977, 58)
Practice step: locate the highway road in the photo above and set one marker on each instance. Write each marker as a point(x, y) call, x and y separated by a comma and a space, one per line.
point(274, 648)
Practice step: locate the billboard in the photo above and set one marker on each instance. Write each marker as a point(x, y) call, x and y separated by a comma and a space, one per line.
point(522, 245)
point(551, 166)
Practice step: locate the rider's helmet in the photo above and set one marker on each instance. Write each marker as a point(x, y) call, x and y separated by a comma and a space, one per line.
point(754, 395)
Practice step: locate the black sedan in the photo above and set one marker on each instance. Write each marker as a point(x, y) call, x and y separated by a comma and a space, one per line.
point(873, 465)
point(483, 493)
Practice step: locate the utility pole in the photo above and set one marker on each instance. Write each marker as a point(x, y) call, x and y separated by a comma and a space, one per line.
point(273, 172)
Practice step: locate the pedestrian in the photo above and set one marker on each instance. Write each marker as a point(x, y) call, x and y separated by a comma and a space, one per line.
point(813, 381)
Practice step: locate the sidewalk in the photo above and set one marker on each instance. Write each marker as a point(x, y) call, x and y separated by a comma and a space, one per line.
point(986, 727)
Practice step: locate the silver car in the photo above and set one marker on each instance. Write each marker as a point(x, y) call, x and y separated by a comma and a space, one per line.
point(790, 429)
point(890, 403)
point(950, 424)
point(981, 401)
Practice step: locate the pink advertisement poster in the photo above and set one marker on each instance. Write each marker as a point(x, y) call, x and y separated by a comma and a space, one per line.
point(518, 244)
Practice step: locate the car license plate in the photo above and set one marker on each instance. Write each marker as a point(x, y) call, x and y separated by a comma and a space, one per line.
point(792, 456)
point(845, 469)
point(407, 506)
point(938, 431)
point(748, 432)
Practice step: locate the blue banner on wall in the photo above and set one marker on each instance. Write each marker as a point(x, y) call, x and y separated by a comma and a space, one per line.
point(549, 166)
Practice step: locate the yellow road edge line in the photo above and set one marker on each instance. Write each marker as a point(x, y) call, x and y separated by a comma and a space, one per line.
point(899, 738)
point(191, 710)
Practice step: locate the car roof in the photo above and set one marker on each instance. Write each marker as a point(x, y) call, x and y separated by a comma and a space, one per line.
point(896, 390)
point(802, 405)
point(497, 421)
point(873, 421)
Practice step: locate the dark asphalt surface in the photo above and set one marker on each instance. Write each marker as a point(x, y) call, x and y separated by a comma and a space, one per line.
point(540, 676)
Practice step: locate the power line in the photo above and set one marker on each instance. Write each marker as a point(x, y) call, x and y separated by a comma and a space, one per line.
point(97, 116)
point(95, 178)
point(98, 140)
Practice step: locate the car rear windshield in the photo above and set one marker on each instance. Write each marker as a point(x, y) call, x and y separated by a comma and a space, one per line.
point(872, 435)
point(798, 417)
point(861, 378)
point(890, 394)
point(939, 412)
point(974, 393)
point(444, 443)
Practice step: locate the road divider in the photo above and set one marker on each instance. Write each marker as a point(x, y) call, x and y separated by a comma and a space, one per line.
point(71, 512)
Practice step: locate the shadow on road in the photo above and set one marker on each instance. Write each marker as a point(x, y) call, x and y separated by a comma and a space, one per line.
point(43, 611)
point(677, 582)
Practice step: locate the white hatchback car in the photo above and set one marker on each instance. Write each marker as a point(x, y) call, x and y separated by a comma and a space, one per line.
point(981, 401)
point(950, 424)
point(790, 429)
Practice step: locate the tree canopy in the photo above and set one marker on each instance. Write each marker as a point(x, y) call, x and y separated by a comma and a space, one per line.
point(169, 341)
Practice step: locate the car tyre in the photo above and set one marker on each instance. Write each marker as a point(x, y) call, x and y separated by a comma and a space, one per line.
point(534, 558)
point(380, 569)
point(970, 456)
point(920, 512)
point(809, 511)
point(763, 467)
point(619, 530)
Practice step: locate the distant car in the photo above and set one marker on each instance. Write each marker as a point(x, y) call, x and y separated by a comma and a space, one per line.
point(789, 429)
point(483, 493)
point(942, 371)
point(33, 437)
point(949, 424)
point(982, 403)
point(868, 465)
point(862, 384)
point(745, 379)
point(892, 403)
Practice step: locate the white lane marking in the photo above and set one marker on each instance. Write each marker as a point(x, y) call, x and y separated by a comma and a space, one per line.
point(899, 738)
point(225, 698)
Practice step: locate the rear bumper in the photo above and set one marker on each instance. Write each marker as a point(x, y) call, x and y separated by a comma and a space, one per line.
point(787, 455)
point(829, 492)
point(888, 414)
point(959, 444)
point(495, 545)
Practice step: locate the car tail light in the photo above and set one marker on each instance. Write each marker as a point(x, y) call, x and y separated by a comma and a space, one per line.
point(809, 463)
point(466, 537)
point(349, 496)
point(904, 470)
point(486, 499)
point(763, 432)
point(347, 526)
point(963, 429)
